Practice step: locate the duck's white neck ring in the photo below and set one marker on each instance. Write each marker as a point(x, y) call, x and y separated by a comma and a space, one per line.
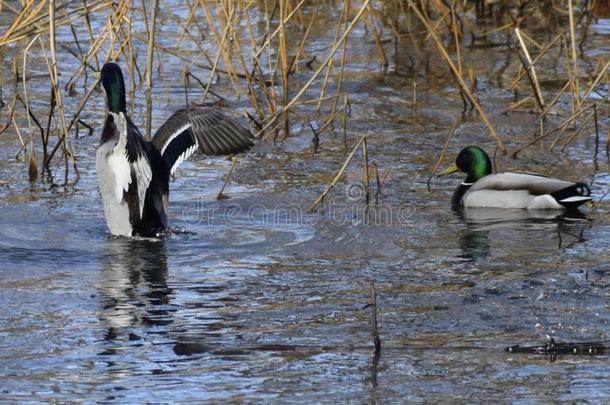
point(466, 184)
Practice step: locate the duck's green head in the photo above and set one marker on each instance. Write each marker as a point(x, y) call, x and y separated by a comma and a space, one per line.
point(472, 160)
point(112, 80)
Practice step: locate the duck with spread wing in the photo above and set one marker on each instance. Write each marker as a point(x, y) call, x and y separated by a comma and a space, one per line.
point(133, 174)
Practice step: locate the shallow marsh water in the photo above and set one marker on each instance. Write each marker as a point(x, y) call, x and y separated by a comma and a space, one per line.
point(254, 299)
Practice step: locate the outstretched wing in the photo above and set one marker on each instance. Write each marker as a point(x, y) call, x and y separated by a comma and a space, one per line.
point(199, 128)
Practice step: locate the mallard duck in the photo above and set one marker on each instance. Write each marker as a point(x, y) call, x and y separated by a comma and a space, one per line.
point(481, 188)
point(133, 174)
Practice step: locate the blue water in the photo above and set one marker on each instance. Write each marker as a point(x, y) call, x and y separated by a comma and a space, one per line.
point(254, 299)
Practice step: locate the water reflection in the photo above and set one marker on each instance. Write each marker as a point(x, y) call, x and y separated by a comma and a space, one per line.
point(134, 286)
point(475, 240)
point(474, 245)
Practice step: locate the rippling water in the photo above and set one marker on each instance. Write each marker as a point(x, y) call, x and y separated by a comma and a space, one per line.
point(252, 298)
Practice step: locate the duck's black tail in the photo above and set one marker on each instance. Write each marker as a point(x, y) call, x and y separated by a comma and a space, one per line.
point(573, 196)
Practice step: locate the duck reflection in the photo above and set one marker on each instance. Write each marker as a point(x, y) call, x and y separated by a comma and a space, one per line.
point(134, 286)
point(475, 239)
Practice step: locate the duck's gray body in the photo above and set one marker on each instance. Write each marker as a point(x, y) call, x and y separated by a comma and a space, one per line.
point(483, 189)
point(133, 174)
point(521, 191)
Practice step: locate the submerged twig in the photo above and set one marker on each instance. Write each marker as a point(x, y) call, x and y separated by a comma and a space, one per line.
point(552, 348)
point(374, 327)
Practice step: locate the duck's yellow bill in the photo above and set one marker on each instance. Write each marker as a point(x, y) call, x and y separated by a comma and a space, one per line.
point(97, 75)
point(451, 169)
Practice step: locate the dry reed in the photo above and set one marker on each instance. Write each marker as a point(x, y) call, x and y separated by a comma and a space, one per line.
point(259, 46)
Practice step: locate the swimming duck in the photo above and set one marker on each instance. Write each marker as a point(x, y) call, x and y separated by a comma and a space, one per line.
point(133, 174)
point(481, 188)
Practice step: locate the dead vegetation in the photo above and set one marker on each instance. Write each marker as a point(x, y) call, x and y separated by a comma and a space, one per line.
point(263, 49)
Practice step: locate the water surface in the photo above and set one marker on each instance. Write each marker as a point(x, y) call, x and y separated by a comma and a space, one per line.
point(252, 298)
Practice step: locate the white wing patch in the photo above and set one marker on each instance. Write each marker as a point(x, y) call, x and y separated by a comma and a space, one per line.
point(116, 210)
point(122, 172)
point(118, 158)
point(143, 176)
point(122, 168)
point(174, 135)
point(183, 156)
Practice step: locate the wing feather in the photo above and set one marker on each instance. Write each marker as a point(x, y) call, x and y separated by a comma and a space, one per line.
point(143, 174)
point(199, 128)
point(206, 143)
point(130, 162)
point(536, 185)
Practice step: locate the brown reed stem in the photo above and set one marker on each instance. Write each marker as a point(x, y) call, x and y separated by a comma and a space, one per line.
point(343, 62)
point(365, 161)
point(90, 31)
point(10, 115)
point(575, 95)
point(68, 153)
point(345, 116)
point(414, 101)
point(249, 79)
point(555, 100)
point(317, 73)
point(460, 80)
point(33, 164)
point(596, 131)
point(149, 67)
point(270, 37)
point(32, 24)
point(18, 131)
point(530, 70)
point(24, 74)
point(377, 39)
point(536, 59)
point(441, 158)
point(221, 41)
point(374, 324)
point(608, 145)
point(327, 122)
point(221, 195)
point(303, 41)
point(578, 131)
point(517, 104)
point(283, 62)
point(344, 14)
point(559, 129)
point(189, 20)
point(321, 197)
point(602, 74)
